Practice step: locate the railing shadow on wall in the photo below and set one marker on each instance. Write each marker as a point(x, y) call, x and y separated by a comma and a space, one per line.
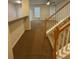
point(52, 20)
point(48, 18)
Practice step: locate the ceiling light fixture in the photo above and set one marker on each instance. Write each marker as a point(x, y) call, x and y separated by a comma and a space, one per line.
point(48, 3)
point(18, 1)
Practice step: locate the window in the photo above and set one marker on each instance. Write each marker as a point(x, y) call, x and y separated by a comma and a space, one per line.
point(37, 11)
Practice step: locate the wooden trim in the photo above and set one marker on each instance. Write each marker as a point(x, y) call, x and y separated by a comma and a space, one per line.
point(17, 19)
point(58, 10)
point(64, 26)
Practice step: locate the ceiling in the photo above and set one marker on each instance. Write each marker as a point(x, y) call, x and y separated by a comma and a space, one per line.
point(54, 2)
point(13, 1)
point(39, 1)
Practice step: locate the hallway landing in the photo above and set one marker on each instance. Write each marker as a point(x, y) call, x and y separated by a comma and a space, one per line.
point(33, 44)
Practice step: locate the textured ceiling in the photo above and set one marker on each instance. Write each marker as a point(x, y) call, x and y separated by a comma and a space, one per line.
point(39, 1)
point(44, 1)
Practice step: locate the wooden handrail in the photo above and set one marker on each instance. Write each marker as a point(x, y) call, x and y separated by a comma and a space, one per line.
point(59, 23)
point(17, 19)
point(57, 11)
point(64, 26)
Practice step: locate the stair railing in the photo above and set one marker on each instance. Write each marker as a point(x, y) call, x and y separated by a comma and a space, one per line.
point(59, 40)
point(59, 31)
point(51, 20)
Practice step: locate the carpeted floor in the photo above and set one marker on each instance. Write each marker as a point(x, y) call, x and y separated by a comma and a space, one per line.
point(33, 44)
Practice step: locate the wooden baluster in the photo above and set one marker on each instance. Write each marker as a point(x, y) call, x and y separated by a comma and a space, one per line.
point(63, 39)
point(68, 36)
point(59, 41)
point(56, 33)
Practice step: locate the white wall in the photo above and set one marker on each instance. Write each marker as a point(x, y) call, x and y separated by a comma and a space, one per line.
point(64, 12)
point(14, 11)
point(19, 10)
point(52, 9)
point(44, 12)
point(44, 9)
point(11, 11)
point(16, 29)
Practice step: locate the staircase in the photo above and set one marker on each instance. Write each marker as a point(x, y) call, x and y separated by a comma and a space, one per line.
point(45, 38)
point(58, 34)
